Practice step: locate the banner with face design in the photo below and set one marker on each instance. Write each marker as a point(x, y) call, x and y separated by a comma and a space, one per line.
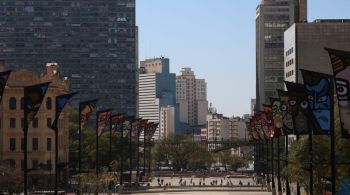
point(253, 128)
point(288, 127)
point(319, 88)
point(340, 61)
point(299, 107)
point(85, 110)
point(103, 119)
point(272, 131)
point(276, 114)
point(259, 127)
point(265, 125)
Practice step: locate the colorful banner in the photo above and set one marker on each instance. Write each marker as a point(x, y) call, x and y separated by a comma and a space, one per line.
point(288, 127)
point(319, 89)
point(61, 102)
point(4, 76)
point(259, 126)
point(269, 120)
point(103, 118)
point(299, 107)
point(276, 116)
point(33, 98)
point(340, 61)
point(253, 128)
point(117, 121)
point(85, 110)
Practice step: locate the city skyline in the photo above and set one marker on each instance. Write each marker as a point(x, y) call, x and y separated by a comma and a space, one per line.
point(218, 60)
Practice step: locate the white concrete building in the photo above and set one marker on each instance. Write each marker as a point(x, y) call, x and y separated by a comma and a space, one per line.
point(167, 121)
point(156, 90)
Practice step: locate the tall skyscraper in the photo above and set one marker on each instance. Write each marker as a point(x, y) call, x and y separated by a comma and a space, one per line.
point(157, 90)
point(191, 94)
point(273, 17)
point(93, 41)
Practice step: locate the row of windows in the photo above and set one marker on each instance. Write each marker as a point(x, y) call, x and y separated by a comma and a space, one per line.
point(35, 164)
point(35, 123)
point(35, 144)
point(290, 62)
point(13, 103)
point(290, 51)
point(289, 73)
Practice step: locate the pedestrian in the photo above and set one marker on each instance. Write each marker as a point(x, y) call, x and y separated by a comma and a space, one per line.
point(162, 181)
point(158, 180)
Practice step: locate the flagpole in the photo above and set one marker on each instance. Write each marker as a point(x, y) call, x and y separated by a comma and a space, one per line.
point(144, 150)
point(110, 139)
point(272, 167)
point(267, 166)
point(56, 156)
point(279, 187)
point(25, 137)
point(122, 153)
point(130, 153)
point(97, 143)
point(287, 180)
point(311, 165)
point(79, 142)
point(333, 165)
point(298, 185)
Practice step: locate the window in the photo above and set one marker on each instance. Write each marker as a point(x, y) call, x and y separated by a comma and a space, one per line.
point(22, 103)
point(12, 103)
point(35, 164)
point(49, 122)
point(22, 144)
point(22, 123)
point(12, 144)
point(49, 165)
point(48, 103)
point(35, 123)
point(22, 165)
point(48, 144)
point(35, 144)
point(12, 163)
point(12, 122)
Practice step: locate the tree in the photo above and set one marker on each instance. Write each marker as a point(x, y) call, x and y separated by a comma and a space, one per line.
point(11, 180)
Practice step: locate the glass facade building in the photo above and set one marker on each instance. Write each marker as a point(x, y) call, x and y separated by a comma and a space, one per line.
point(273, 17)
point(94, 42)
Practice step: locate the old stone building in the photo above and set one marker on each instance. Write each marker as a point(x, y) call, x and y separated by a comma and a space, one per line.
point(41, 140)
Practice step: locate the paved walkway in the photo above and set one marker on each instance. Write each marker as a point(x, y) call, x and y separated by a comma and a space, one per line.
point(210, 193)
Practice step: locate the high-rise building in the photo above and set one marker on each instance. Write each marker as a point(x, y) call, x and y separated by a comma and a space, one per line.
point(93, 41)
point(41, 138)
point(273, 17)
point(157, 90)
point(191, 94)
point(304, 45)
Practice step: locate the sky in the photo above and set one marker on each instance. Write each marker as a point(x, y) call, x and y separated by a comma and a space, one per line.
point(216, 38)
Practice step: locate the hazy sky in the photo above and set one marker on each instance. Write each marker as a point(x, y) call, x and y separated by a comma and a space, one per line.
point(216, 38)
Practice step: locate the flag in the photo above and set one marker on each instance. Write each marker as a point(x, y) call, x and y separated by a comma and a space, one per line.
point(135, 126)
point(129, 120)
point(288, 127)
point(269, 120)
point(151, 129)
point(4, 76)
point(143, 125)
point(61, 102)
point(276, 116)
point(117, 121)
point(319, 89)
point(259, 126)
point(340, 61)
point(33, 98)
point(298, 106)
point(265, 125)
point(253, 128)
point(85, 110)
point(103, 118)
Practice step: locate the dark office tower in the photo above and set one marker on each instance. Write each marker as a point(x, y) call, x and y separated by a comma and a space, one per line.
point(273, 17)
point(94, 42)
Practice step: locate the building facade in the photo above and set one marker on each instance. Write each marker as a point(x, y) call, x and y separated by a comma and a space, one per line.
point(157, 90)
point(233, 128)
point(41, 139)
point(218, 127)
point(273, 17)
point(167, 121)
point(304, 45)
point(191, 94)
point(93, 41)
